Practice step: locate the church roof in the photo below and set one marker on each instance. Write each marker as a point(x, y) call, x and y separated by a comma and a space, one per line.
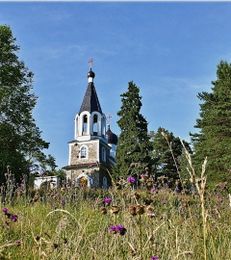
point(90, 100)
point(111, 137)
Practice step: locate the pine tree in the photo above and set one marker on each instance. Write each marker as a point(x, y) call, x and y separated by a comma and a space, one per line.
point(167, 153)
point(20, 138)
point(214, 137)
point(133, 151)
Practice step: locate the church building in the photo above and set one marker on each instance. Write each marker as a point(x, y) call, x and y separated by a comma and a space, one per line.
point(92, 152)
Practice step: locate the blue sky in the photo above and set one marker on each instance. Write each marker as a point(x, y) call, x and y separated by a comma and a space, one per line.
point(170, 50)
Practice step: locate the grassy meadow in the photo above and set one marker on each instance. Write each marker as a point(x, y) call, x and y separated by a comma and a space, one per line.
point(82, 224)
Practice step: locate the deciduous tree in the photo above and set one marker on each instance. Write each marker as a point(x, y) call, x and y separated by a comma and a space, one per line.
point(20, 138)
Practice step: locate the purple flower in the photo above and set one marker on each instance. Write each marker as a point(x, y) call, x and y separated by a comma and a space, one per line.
point(120, 229)
point(5, 210)
point(113, 229)
point(14, 218)
point(131, 179)
point(154, 257)
point(107, 201)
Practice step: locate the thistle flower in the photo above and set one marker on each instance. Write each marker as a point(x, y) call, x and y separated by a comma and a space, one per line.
point(118, 229)
point(14, 218)
point(113, 229)
point(107, 201)
point(121, 229)
point(131, 179)
point(154, 257)
point(5, 210)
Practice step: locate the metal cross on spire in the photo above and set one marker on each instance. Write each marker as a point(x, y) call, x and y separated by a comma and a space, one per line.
point(108, 118)
point(90, 63)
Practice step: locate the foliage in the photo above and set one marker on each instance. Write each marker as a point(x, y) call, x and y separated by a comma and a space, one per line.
point(213, 139)
point(167, 153)
point(134, 145)
point(20, 139)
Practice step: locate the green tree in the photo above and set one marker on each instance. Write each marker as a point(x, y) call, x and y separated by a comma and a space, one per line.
point(132, 155)
point(214, 137)
point(20, 138)
point(167, 153)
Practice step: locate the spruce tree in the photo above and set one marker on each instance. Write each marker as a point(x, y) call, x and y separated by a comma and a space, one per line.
point(214, 137)
point(167, 153)
point(133, 150)
point(20, 138)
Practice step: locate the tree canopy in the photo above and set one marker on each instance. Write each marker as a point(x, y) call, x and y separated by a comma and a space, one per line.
point(20, 139)
point(214, 124)
point(167, 153)
point(133, 151)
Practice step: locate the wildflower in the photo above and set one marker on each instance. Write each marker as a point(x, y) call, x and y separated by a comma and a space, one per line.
point(118, 229)
point(131, 179)
point(14, 218)
point(155, 257)
point(5, 210)
point(121, 230)
point(107, 201)
point(113, 229)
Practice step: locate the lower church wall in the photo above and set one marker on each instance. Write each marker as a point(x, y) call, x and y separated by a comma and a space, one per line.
point(91, 176)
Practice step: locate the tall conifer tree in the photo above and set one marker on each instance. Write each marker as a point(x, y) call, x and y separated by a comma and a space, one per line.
point(133, 151)
point(214, 137)
point(167, 153)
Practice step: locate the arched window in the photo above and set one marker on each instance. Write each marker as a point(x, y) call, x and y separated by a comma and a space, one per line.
point(103, 127)
point(83, 152)
point(95, 125)
point(84, 124)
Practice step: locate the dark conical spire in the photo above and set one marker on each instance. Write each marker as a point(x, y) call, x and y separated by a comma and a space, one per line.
point(90, 100)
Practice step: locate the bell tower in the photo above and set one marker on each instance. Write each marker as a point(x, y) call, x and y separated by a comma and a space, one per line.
point(89, 153)
point(90, 121)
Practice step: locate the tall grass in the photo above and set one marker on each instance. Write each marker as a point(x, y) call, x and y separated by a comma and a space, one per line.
point(72, 223)
point(48, 229)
